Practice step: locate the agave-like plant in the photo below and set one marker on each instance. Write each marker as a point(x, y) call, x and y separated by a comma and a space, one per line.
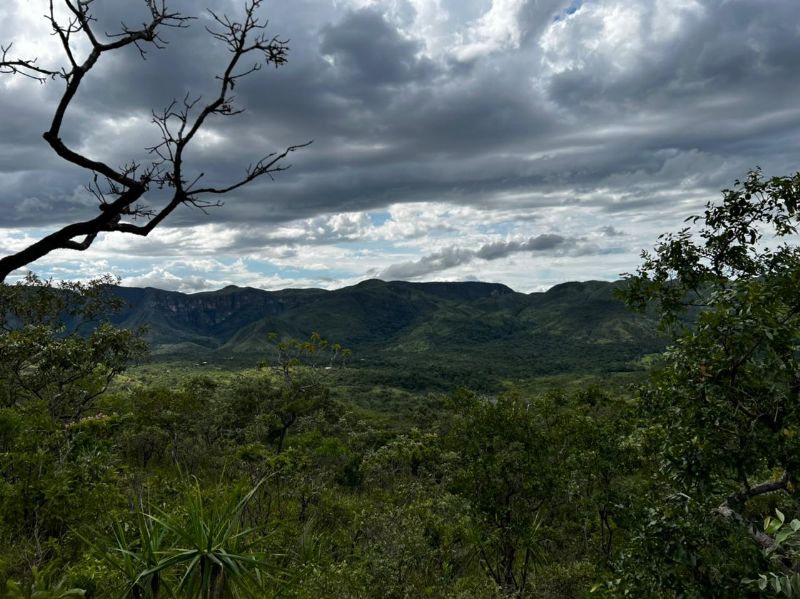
point(131, 557)
point(213, 555)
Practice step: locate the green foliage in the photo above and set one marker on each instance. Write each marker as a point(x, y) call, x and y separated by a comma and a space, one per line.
point(678, 550)
point(56, 467)
point(41, 585)
point(200, 549)
point(507, 472)
point(356, 504)
point(43, 355)
point(212, 548)
point(783, 555)
point(730, 250)
point(135, 559)
point(721, 414)
point(727, 395)
point(301, 366)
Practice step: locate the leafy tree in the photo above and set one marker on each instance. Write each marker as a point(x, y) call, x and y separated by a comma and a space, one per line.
point(724, 407)
point(46, 353)
point(508, 475)
point(301, 366)
point(600, 470)
point(57, 469)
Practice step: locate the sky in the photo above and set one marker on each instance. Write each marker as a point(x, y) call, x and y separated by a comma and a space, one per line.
point(525, 142)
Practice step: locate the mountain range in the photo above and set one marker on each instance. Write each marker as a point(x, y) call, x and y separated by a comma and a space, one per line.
point(440, 330)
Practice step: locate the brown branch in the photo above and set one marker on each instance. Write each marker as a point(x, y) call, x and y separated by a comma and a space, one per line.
point(64, 34)
point(265, 166)
point(93, 165)
point(144, 230)
point(725, 510)
point(26, 68)
point(64, 237)
point(761, 489)
point(123, 186)
point(760, 537)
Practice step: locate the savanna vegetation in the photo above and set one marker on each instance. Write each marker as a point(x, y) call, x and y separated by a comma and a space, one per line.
point(282, 480)
point(296, 480)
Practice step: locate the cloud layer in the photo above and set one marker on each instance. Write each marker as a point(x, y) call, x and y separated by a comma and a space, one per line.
point(450, 137)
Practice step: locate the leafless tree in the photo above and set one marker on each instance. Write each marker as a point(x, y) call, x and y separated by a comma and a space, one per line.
point(120, 190)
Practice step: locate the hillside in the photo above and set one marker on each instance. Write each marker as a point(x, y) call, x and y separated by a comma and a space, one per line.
point(416, 330)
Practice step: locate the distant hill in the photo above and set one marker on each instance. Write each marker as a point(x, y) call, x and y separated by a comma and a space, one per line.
point(442, 330)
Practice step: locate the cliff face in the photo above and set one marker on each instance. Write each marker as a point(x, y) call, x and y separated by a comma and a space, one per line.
point(210, 310)
point(382, 320)
point(204, 312)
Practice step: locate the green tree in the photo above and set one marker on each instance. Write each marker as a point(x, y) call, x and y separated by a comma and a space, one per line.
point(508, 475)
point(723, 408)
point(57, 468)
point(301, 389)
point(56, 347)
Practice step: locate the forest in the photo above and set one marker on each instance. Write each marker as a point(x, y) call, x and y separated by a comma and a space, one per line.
point(121, 477)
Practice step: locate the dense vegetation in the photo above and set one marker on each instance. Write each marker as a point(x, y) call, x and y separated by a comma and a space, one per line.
point(413, 336)
point(290, 480)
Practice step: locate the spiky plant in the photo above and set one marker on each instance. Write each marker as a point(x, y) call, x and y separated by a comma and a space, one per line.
point(133, 554)
point(212, 554)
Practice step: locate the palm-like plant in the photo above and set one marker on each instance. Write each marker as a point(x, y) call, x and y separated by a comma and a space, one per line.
point(213, 555)
point(202, 552)
point(134, 557)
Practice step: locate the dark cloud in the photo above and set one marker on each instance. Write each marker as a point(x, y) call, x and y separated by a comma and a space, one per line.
point(611, 231)
point(370, 52)
point(493, 251)
point(457, 256)
point(622, 107)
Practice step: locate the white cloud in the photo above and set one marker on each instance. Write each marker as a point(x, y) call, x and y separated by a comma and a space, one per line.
point(497, 29)
point(162, 279)
point(615, 35)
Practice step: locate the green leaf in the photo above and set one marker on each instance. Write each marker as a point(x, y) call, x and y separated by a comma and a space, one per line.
point(783, 535)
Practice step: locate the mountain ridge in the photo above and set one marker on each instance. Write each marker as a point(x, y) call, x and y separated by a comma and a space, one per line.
point(452, 328)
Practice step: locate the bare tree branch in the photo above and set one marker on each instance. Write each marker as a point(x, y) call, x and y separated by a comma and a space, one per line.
point(26, 68)
point(119, 190)
point(266, 166)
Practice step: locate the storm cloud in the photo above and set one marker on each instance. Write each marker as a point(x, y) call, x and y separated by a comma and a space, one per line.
point(449, 137)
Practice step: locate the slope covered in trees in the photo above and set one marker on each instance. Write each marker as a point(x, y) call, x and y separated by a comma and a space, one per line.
point(461, 329)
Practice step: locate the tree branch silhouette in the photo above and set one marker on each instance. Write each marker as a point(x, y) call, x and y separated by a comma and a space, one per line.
point(120, 190)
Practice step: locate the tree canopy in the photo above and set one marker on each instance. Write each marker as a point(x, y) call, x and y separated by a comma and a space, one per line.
point(722, 410)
